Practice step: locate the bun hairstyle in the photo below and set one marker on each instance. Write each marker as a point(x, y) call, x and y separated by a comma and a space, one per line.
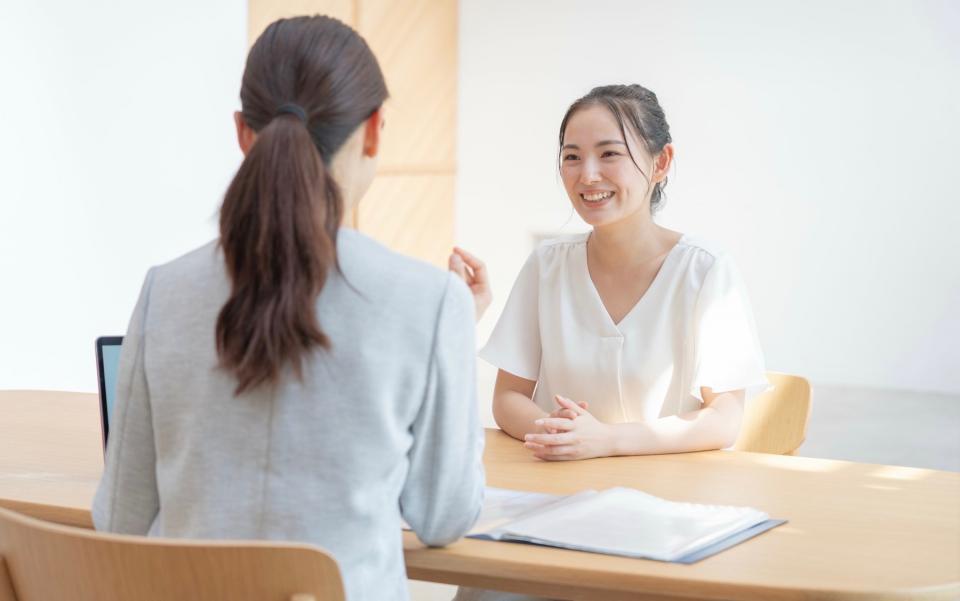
point(639, 108)
point(309, 82)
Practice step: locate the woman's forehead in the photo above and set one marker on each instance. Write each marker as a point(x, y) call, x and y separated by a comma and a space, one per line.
point(595, 123)
point(592, 121)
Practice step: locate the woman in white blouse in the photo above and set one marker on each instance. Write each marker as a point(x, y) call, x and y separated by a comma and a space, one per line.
point(631, 339)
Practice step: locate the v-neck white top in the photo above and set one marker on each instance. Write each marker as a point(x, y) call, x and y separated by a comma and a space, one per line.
point(692, 328)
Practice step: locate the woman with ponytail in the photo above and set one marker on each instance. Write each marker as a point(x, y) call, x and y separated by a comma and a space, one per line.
point(294, 379)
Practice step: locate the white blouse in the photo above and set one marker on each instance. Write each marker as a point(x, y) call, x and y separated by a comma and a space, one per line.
point(692, 328)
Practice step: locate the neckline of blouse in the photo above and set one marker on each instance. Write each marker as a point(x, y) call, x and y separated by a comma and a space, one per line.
point(617, 326)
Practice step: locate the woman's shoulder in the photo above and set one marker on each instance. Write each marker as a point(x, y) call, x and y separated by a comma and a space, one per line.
point(700, 257)
point(703, 252)
point(379, 271)
point(189, 285)
point(552, 255)
point(702, 248)
point(200, 265)
point(559, 248)
point(562, 242)
point(358, 252)
point(394, 291)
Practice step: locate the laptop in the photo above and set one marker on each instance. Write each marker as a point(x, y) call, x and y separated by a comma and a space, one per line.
point(108, 361)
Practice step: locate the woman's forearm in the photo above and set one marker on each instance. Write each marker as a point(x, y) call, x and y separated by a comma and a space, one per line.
point(713, 427)
point(516, 413)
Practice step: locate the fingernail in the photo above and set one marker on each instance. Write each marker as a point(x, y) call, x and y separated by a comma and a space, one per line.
point(539, 422)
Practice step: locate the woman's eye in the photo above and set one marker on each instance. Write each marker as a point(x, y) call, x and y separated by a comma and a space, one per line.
point(570, 157)
point(609, 153)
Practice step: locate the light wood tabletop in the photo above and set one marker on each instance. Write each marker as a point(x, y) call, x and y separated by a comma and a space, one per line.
point(855, 531)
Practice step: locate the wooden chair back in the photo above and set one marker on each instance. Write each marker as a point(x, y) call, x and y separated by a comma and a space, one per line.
point(40, 561)
point(6, 587)
point(776, 421)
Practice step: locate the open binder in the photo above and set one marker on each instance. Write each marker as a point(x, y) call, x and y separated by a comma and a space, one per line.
point(618, 521)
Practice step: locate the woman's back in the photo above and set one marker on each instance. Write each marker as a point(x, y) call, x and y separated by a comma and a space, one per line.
point(292, 380)
point(387, 413)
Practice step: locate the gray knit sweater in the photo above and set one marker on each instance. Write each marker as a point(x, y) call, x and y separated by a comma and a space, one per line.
point(382, 426)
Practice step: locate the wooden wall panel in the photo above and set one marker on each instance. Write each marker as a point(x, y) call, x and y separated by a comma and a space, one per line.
point(412, 214)
point(416, 44)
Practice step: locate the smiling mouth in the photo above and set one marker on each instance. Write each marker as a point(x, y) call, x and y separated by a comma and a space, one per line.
point(596, 197)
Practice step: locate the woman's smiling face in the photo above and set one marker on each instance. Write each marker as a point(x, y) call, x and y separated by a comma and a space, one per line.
point(602, 181)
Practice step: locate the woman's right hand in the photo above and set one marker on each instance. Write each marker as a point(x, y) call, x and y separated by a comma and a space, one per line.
point(474, 273)
point(565, 413)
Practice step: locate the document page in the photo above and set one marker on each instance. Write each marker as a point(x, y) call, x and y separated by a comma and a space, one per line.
point(617, 521)
point(625, 521)
point(501, 506)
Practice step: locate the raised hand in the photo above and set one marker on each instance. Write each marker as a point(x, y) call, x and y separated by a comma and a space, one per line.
point(474, 273)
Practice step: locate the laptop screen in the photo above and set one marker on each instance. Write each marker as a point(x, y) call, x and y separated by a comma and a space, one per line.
point(108, 360)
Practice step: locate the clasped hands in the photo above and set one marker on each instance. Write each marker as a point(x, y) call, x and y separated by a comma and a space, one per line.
point(570, 432)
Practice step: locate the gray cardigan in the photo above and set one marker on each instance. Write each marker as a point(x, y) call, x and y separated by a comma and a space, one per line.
point(382, 426)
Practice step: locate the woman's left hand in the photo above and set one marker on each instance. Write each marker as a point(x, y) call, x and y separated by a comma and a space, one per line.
point(582, 437)
point(474, 274)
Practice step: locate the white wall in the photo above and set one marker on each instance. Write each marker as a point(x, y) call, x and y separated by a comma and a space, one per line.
point(817, 141)
point(116, 147)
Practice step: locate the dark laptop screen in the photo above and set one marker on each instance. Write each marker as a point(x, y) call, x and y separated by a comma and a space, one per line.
point(108, 360)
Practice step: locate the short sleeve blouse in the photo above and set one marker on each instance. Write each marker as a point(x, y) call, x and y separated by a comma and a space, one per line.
point(692, 328)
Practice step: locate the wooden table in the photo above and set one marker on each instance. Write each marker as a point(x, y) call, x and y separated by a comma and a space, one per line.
point(856, 531)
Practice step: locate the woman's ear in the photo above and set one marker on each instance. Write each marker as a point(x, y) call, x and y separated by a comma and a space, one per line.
point(245, 134)
point(662, 162)
point(371, 133)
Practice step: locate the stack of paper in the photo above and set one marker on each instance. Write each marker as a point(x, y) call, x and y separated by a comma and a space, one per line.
point(618, 521)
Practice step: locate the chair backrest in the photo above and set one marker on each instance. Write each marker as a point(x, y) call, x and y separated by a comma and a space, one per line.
point(776, 421)
point(6, 587)
point(49, 562)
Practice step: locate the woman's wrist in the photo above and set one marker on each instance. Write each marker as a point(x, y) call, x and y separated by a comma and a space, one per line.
point(516, 415)
point(630, 438)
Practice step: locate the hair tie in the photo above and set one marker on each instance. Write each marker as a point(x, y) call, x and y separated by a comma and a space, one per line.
point(292, 109)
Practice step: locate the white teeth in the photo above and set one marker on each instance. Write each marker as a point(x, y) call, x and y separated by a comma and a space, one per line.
point(597, 196)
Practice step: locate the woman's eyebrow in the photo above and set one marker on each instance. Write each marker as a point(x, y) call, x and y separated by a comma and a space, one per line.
point(597, 145)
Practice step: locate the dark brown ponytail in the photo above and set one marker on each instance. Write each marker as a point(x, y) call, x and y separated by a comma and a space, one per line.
point(309, 83)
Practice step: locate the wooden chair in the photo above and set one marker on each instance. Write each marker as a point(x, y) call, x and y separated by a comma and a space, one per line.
point(776, 421)
point(40, 561)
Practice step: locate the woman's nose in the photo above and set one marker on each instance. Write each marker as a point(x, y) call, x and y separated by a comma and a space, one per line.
point(590, 174)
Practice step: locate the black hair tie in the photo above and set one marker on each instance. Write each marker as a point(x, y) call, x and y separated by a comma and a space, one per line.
point(292, 109)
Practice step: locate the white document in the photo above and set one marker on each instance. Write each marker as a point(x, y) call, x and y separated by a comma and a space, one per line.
point(616, 521)
point(502, 506)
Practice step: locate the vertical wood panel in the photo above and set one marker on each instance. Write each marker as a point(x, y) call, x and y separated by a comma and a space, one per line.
point(410, 206)
point(416, 44)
